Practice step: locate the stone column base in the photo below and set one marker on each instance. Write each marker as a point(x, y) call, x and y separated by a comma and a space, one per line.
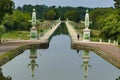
point(86, 35)
point(33, 33)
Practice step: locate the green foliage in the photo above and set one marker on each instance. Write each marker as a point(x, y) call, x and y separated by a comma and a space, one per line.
point(42, 11)
point(107, 21)
point(111, 29)
point(2, 30)
point(95, 33)
point(117, 4)
point(72, 15)
point(97, 15)
point(2, 77)
point(95, 39)
point(17, 21)
point(6, 6)
point(24, 35)
point(51, 15)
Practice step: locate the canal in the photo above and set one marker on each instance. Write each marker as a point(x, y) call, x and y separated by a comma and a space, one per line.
point(59, 62)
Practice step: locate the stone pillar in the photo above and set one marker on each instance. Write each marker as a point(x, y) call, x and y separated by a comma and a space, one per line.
point(67, 19)
point(109, 41)
point(59, 18)
point(116, 42)
point(86, 35)
point(33, 33)
point(100, 40)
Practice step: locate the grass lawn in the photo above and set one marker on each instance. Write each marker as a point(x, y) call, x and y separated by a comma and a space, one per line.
point(22, 35)
point(95, 33)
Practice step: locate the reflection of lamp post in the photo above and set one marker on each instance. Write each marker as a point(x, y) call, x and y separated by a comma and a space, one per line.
point(85, 65)
point(33, 57)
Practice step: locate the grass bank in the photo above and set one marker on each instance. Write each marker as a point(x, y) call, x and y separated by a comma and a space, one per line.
point(11, 54)
point(16, 35)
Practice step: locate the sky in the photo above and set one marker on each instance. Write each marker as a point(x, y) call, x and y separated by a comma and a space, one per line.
point(73, 3)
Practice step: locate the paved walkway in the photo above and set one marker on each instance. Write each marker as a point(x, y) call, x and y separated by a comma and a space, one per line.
point(72, 32)
point(11, 45)
point(49, 33)
point(108, 48)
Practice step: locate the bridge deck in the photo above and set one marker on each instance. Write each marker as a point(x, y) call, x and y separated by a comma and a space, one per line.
point(72, 32)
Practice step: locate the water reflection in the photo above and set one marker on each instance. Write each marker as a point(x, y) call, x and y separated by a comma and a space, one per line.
point(2, 77)
point(118, 78)
point(62, 29)
point(85, 65)
point(33, 57)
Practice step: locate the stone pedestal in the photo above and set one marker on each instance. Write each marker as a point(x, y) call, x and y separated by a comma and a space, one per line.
point(86, 35)
point(33, 33)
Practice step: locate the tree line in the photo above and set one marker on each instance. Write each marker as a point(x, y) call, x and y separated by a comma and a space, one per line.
point(21, 15)
point(53, 12)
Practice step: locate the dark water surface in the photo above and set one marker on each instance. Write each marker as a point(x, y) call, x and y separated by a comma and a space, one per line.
point(59, 62)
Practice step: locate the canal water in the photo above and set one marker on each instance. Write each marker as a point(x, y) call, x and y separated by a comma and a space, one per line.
point(59, 62)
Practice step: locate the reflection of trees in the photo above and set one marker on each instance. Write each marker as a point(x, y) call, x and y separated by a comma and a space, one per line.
point(62, 29)
point(118, 78)
point(2, 77)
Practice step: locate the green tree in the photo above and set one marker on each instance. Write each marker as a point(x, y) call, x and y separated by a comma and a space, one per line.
point(97, 16)
point(72, 15)
point(6, 6)
point(2, 30)
point(117, 4)
point(17, 21)
point(51, 15)
point(111, 29)
point(42, 10)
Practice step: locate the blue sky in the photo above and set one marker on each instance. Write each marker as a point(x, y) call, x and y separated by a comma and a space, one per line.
point(75, 3)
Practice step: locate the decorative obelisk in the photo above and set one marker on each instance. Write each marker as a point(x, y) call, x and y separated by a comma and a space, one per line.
point(33, 30)
point(86, 31)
